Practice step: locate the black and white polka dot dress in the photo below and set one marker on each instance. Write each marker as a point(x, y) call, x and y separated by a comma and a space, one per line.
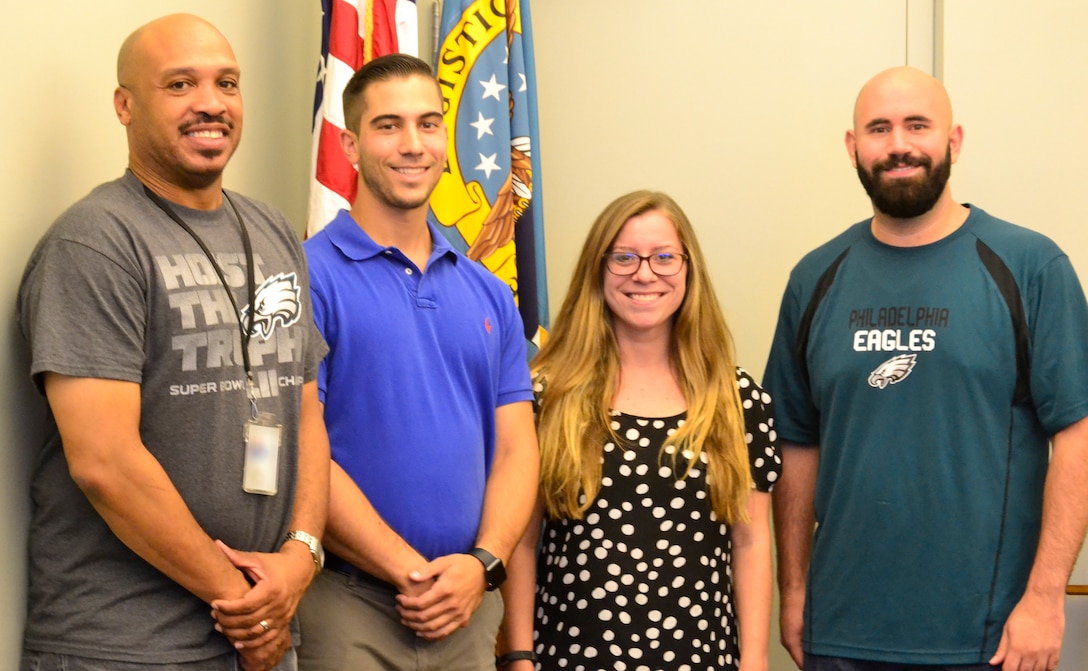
point(643, 582)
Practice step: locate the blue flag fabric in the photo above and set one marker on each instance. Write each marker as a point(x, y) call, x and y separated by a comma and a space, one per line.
point(488, 201)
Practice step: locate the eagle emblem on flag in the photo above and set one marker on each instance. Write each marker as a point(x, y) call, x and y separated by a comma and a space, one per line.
point(487, 202)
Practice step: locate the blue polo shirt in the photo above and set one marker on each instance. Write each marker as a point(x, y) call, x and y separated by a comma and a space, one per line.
point(418, 363)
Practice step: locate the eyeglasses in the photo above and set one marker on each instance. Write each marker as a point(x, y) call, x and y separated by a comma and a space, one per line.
point(663, 264)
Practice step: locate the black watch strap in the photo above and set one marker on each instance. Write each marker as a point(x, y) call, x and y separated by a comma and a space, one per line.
point(515, 656)
point(494, 571)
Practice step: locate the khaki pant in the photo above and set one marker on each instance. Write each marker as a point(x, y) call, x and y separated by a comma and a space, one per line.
point(352, 625)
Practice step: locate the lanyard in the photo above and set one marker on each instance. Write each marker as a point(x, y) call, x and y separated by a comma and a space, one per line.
point(251, 288)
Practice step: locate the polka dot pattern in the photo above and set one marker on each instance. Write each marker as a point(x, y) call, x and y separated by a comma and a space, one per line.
point(644, 581)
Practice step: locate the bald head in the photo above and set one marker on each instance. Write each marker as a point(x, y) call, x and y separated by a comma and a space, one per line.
point(171, 32)
point(899, 89)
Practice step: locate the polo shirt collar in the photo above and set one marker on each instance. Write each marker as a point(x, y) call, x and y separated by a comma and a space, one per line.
point(356, 244)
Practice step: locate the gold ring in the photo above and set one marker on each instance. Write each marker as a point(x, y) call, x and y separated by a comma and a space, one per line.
point(264, 625)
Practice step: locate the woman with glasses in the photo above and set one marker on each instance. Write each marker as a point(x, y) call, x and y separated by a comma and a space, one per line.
point(657, 457)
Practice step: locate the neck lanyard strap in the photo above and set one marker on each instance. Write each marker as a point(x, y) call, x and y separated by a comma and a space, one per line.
point(251, 286)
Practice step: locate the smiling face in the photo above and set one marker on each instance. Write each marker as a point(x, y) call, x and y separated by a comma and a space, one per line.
point(903, 142)
point(401, 144)
point(644, 304)
point(178, 96)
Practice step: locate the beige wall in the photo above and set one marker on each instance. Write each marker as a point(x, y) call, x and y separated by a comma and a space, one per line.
point(737, 109)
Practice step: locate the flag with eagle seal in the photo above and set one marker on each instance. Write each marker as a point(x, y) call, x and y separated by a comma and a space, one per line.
point(487, 202)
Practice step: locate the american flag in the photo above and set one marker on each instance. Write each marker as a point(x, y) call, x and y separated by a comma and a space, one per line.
point(352, 33)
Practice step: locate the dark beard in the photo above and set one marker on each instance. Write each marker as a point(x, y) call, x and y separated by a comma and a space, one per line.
point(906, 198)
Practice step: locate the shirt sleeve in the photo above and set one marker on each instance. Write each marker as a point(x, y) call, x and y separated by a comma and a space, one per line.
point(514, 384)
point(797, 419)
point(83, 313)
point(1059, 348)
point(759, 432)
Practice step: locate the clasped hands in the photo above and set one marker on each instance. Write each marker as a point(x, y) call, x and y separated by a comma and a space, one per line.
point(436, 600)
point(440, 597)
point(258, 623)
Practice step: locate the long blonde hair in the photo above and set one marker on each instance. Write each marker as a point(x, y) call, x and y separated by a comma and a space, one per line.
point(579, 365)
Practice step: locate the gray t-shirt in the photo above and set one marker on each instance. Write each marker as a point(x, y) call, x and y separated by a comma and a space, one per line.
point(118, 290)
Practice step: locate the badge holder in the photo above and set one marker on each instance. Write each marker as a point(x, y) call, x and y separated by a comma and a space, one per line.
point(262, 436)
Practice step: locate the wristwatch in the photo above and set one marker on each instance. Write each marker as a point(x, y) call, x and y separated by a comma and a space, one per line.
point(494, 571)
point(311, 541)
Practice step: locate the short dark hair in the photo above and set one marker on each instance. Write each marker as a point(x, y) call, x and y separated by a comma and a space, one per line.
point(381, 69)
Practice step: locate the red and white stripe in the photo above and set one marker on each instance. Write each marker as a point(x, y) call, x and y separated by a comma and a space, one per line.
point(359, 30)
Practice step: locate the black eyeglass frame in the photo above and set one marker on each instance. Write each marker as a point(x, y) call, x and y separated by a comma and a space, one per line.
point(607, 257)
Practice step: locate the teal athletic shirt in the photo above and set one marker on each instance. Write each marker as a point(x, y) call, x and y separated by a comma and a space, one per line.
point(932, 465)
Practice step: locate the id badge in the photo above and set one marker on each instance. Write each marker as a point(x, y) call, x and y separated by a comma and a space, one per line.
point(262, 455)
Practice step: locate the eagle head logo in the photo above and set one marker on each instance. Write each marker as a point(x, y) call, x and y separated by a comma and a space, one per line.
point(276, 300)
point(893, 370)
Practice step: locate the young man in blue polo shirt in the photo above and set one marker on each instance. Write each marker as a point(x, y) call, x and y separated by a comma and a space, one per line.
point(924, 358)
point(427, 397)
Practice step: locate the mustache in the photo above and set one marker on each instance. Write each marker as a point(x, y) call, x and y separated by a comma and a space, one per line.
point(899, 160)
point(202, 118)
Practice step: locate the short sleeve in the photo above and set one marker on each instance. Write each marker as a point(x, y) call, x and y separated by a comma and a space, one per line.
point(82, 313)
point(538, 395)
point(759, 432)
point(798, 418)
point(514, 383)
point(1059, 350)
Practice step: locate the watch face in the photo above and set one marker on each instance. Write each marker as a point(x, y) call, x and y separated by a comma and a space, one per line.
point(496, 575)
point(494, 571)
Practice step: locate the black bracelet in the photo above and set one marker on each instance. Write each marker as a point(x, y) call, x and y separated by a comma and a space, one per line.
point(514, 656)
